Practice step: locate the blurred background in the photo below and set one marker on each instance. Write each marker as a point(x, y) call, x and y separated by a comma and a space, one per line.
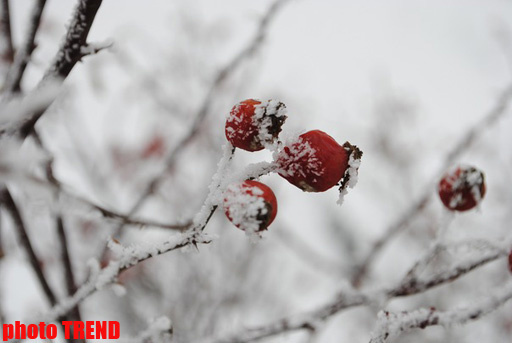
point(403, 80)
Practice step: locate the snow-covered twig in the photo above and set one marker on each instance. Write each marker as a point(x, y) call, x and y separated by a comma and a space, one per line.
point(393, 324)
point(132, 255)
point(69, 52)
point(23, 54)
point(352, 298)
point(250, 49)
point(464, 143)
point(16, 111)
point(94, 48)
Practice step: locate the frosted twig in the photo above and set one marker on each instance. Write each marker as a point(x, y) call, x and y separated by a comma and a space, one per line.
point(495, 113)
point(391, 325)
point(23, 54)
point(132, 255)
point(250, 49)
point(94, 48)
point(352, 298)
point(69, 52)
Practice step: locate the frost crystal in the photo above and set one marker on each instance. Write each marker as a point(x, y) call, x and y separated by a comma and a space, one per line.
point(246, 207)
point(269, 116)
point(352, 173)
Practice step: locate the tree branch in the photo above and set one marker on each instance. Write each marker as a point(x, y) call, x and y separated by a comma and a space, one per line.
point(392, 325)
point(70, 52)
point(23, 55)
point(11, 207)
point(5, 30)
point(352, 298)
point(250, 49)
point(495, 113)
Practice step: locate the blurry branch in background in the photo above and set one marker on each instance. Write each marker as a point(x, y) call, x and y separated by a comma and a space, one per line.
point(308, 255)
point(464, 143)
point(68, 270)
point(24, 53)
point(5, 33)
point(391, 325)
point(12, 209)
point(70, 52)
point(352, 298)
point(250, 49)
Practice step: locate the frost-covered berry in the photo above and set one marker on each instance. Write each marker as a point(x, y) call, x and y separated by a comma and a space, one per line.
point(315, 162)
point(462, 188)
point(252, 124)
point(250, 205)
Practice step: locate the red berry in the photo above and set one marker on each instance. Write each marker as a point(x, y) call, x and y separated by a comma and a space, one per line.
point(315, 162)
point(462, 188)
point(250, 205)
point(252, 124)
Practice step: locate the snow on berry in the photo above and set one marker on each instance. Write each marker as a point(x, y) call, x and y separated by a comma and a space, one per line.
point(462, 188)
point(253, 125)
point(250, 205)
point(315, 162)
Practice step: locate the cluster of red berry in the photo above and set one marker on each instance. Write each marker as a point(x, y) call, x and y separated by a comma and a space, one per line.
point(314, 162)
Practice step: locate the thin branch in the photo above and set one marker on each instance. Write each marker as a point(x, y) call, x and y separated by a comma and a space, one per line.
point(393, 324)
point(499, 109)
point(68, 270)
point(23, 55)
point(11, 207)
point(135, 254)
point(250, 49)
point(308, 320)
point(70, 52)
point(5, 30)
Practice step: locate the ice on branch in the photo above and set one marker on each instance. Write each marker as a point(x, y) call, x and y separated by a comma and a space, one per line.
point(391, 325)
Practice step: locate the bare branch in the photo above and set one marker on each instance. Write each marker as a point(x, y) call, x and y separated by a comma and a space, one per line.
point(464, 143)
point(11, 207)
point(5, 30)
point(23, 55)
point(68, 271)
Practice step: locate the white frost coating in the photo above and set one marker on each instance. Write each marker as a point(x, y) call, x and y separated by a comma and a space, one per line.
point(391, 325)
point(15, 110)
point(216, 189)
point(92, 48)
point(298, 157)
point(352, 173)
point(19, 159)
point(245, 207)
point(263, 114)
point(119, 290)
point(468, 177)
